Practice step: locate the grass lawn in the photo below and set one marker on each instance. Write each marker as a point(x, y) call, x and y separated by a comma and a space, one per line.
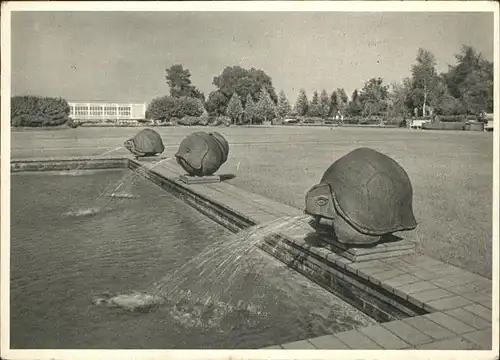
point(451, 172)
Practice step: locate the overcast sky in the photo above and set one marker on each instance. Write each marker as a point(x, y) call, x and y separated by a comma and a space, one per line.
point(122, 56)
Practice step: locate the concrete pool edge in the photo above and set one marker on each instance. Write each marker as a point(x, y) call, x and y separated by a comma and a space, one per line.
point(458, 301)
point(68, 163)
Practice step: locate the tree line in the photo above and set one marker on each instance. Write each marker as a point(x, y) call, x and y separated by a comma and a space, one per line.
point(248, 95)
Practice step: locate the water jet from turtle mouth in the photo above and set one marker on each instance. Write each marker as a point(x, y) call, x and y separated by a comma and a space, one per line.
point(223, 262)
point(111, 151)
point(128, 179)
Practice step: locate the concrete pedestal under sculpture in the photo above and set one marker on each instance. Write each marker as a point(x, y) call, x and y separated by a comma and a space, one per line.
point(361, 200)
point(201, 154)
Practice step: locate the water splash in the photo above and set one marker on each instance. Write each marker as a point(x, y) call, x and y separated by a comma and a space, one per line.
point(82, 212)
point(206, 289)
point(223, 287)
point(124, 195)
point(72, 173)
point(127, 181)
point(114, 194)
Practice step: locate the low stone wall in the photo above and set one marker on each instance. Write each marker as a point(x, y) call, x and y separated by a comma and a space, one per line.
point(61, 164)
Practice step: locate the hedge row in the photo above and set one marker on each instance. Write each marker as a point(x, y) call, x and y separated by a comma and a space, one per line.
point(454, 118)
point(33, 111)
point(203, 120)
point(438, 125)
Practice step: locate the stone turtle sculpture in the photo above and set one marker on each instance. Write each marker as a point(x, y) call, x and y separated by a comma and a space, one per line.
point(201, 153)
point(146, 142)
point(363, 195)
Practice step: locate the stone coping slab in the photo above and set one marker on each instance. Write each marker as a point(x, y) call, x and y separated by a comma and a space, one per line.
point(68, 163)
point(451, 298)
point(199, 180)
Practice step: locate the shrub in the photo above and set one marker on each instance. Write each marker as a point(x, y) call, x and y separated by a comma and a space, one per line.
point(189, 121)
point(220, 120)
point(204, 119)
point(161, 108)
point(36, 111)
point(312, 119)
point(455, 118)
point(189, 106)
point(167, 107)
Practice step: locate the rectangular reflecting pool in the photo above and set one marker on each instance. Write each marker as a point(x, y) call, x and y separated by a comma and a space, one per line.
point(78, 234)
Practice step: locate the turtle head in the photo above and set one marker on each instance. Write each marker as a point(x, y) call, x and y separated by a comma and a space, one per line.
point(129, 144)
point(191, 152)
point(319, 202)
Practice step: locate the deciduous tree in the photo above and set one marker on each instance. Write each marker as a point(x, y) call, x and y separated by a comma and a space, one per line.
point(373, 97)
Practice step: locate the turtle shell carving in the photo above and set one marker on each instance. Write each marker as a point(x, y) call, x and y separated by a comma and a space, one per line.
point(202, 154)
point(146, 142)
point(369, 190)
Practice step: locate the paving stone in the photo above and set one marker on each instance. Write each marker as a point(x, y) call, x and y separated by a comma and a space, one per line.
point(478, 297)
point(384, 337)
point(421, 261)
point(373, 270)
point(469, 318)
point(486, 303)
point(339, 260)
point(477, 286)
point(449, 322)
point(369, 264)
point(456, 343)
point(447, 303)
point(401, 280)
point(395, 263)
point(429, 327)
point(320, 251)
point(429, 295)
point(479, 310)
point(481, 338)
point(273, 347)
point(441, 268)
point(408, 333)
point(416, 287)
point(302, 344)
point(382, 255)
point(328, 342)
point(424, 274)
point(386, 275)
point(356, 340)
point(456, 278)
point(332, 257)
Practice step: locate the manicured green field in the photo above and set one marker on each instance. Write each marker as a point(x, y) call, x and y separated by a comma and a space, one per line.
point(451, 172)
